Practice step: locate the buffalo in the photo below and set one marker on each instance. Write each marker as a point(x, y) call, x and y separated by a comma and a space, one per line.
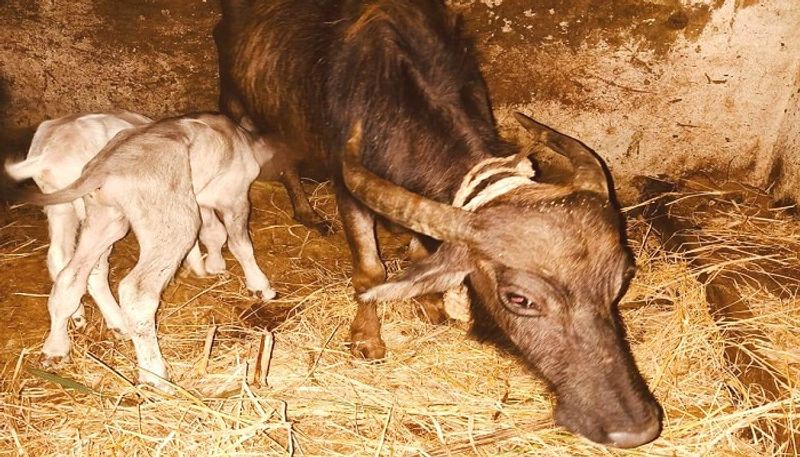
point(388, 96)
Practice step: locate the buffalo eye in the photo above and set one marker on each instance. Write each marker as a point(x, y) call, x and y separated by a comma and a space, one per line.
point(521, 304)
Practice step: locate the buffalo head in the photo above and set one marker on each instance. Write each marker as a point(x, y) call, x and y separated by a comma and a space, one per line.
point(549, 263)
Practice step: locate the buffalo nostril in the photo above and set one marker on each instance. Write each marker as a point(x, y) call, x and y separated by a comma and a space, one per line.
point(636, 438)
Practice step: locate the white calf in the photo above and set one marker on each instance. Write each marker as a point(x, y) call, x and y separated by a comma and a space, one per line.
point(161, 180)
point(59, 150)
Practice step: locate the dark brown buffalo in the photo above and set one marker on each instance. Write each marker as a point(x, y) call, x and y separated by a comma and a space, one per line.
point(285, 163)
point(399, 80)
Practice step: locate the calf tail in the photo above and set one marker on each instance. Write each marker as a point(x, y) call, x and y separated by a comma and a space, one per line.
point(24, 169)
point(88, 182)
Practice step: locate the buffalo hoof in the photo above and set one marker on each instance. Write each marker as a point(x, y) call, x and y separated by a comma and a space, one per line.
point(315, 222)
point(369, 349)
point(324, 228)
point(431, 309)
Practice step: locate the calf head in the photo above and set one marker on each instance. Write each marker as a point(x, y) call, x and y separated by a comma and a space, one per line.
point(549, 264)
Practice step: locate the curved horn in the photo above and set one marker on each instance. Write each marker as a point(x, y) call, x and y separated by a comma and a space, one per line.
point(429, 217)
point(589, 172)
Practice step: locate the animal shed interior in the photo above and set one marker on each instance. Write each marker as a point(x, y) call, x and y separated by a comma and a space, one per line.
point(725, 374)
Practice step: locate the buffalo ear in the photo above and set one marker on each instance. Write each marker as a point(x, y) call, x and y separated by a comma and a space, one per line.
point(443, 270)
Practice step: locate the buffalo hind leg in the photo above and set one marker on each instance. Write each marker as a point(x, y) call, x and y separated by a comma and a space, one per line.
point(368, 271)
point(303, 212)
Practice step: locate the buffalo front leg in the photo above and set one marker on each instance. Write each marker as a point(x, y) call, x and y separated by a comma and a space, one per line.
point(368, 271)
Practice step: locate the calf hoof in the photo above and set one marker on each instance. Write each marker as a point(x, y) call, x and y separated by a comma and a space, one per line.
point(457, 304)
point(55, 350)
point(198, 270)
point(79, 318)
point(119, 334)
point(159, 384)
point(50, 362)
point(416, 251)
point(158, 381)
point(215, 266)
point(79, 322)
point(369, 349)
point(222, 273)
point(188, 271)
point(264, 294)
point(365, 278)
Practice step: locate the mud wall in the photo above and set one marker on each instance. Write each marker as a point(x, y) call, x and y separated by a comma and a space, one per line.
point(785, 160)
point(658, 86)
point(155, 57)
point(655, 86)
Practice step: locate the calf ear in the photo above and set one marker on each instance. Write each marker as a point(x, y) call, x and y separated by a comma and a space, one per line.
point(443, 270)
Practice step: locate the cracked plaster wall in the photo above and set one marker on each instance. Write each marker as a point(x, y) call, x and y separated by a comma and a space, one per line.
point(655, 86)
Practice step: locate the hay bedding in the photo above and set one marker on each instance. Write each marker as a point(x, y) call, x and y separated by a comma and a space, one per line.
point(438, 393)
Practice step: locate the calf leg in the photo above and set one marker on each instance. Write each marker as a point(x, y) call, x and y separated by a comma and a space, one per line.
point(62, 225)
point(213, 236)
point(101, 293)
point(103, 226)
point(235, 218)
point(368, 271)
point(303, 212)
point(194, 260)
point(140, 291)
point(139, 294)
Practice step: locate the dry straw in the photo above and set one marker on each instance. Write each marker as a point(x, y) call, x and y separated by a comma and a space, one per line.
point(437, 394)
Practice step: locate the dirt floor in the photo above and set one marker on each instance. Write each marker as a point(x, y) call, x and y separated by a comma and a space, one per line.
point(289, 256)
point(438, 393)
